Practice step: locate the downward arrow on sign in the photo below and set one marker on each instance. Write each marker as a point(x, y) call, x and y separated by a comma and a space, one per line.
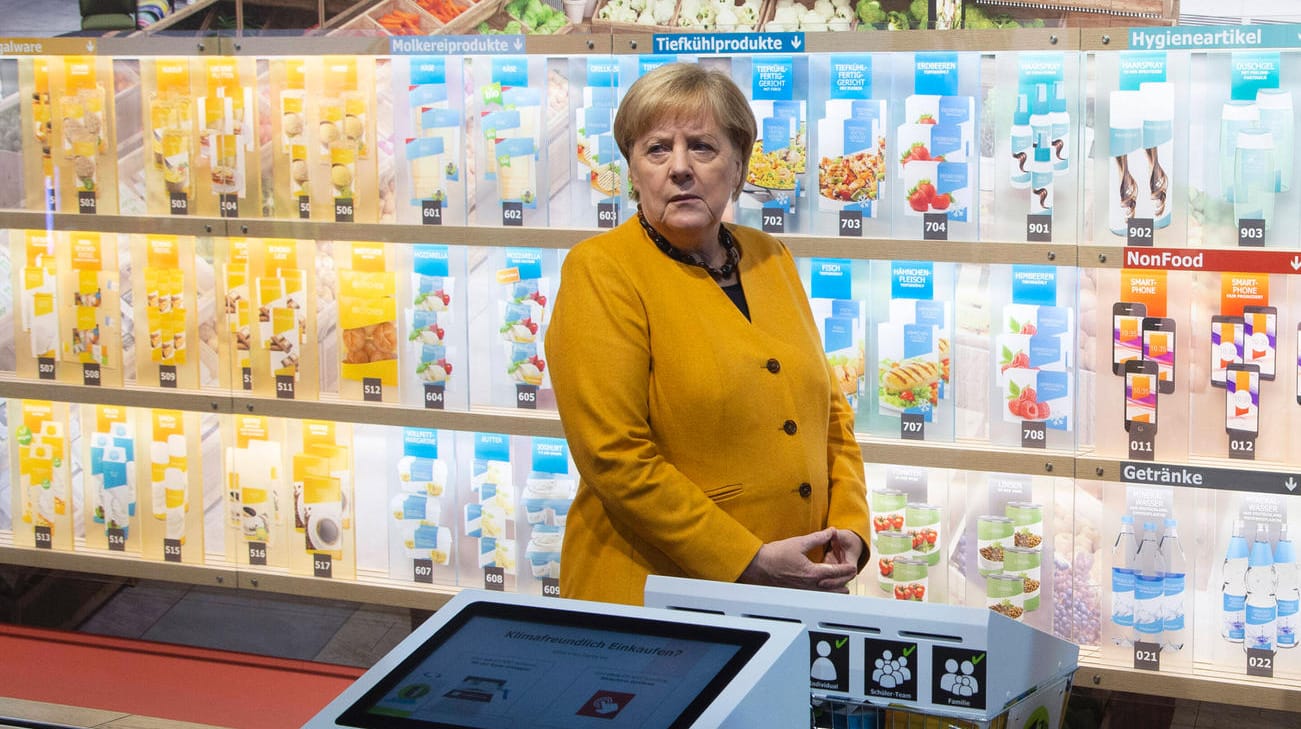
point(1290, 483)
point(1296, 263)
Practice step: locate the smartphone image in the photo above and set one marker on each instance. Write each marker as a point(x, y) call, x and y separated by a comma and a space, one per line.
point(1140, 391)
point(1242, 400)
point(1126, 334)
point(1260, 338)
point(1159, 347)
point(1226, 345)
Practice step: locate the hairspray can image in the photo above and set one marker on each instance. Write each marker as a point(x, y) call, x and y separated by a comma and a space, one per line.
point(1060, 123)
point(1127, 163)
point(1158, 147)
point(1022, 143)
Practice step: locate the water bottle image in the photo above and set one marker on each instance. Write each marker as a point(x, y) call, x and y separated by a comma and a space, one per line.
point(1261, 608)
point(1173, 585)
point(1276, 115)
point(1149, 589)
point(1287, 593)
point(1253, 176)
point(1123, 554)
point(1234, 589)
point(1234, 117)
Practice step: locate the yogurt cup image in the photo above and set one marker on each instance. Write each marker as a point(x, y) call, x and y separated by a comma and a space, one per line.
point(543, 554)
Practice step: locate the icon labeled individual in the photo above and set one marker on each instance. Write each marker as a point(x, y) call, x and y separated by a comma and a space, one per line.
point(960, 684)
point(823, 669)
point(891, 672)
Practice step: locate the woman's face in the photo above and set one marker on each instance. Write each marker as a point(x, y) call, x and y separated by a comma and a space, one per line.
point(685, 171)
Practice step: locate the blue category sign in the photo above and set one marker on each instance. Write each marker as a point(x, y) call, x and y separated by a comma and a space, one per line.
point(456, 45)
point(1229, 36)
point(728, 42)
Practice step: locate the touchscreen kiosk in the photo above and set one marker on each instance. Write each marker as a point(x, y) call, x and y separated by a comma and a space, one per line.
point(504, 661)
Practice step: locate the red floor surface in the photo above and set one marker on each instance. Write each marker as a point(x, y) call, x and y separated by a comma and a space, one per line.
point(166, 681)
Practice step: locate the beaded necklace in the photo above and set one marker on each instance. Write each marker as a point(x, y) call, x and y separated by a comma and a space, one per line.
point(721, 273)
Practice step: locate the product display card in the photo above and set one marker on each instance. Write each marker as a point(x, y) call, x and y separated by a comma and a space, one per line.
point(421, 524)
point(545, 501)
point(1008, 547)
point(842, 320)
point(1140, 193)
point(434, 366)
point(84, 155)
point(108, 435)
point(520, 377)
point(261, 515)
point(228, 150)
point(91, 349)
point(1034, 345)
point(913, 349)
point(41, 491)
point(368, 322)
point(909, 539)
point(171, 128)
point(488, 527)
point(39, 139)
point(344, 140)
point(434, 139)
point(776, 179)
point(173, 526)
point(321, 472)
point(851, 136)
point(937, 147)
point(295, 160)
point(166, 316)
point(509, 102)
point(36, 340)
point(600, 177)
point(283, 352)
point(236, 320)
point(1034, 195)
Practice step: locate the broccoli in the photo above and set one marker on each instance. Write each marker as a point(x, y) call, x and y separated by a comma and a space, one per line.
point(870, 13)
point(917, 11)
point(516, 8)
point(514, 27)
point(897, 21)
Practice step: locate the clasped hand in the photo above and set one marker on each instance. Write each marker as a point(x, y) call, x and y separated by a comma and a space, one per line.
point(786, 563)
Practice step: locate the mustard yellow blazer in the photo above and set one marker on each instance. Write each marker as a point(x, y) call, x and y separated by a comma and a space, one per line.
point(698, 435)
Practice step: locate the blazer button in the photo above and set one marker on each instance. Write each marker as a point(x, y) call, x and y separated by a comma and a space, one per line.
point(774, 366)
point(806, 490)
point(790, 427)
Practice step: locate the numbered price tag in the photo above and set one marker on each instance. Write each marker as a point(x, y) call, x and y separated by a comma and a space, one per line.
point(285, 387)
point(1260, 662)
point(44, 537)
point(178, 203)
point(257, 554)
point(912, 426)
point(1140, 232)
point(1142, 442)
point(435, 396)
point(372, 389)
point(171, 550)
point(45, 368)
point(494, 578)
point(1147, 656)
point(550, 587)
point(304, 207)
point(935, 226)
point(773, 220)
point(1034, 434)
point(116, 540)
point(1039, 228)
point(51, 200)
point(1251, 232)
point(851, 224)
point(431, 212)
point(90, 374)
point(167, 376)
point(526, 397)
point(86, 203)
point(228, 205)
point(512, 213)
point(246, 377)
point(322, 565)
point(422, 570)
point(1242, 448)
point(607, 215)
point(343, 210)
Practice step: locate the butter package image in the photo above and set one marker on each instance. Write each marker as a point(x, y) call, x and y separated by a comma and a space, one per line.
point(545, 501)
point(108, 436)
point(422, 518)
point(42, 498)
point(937, 142)
point(258, 496)
point(434, 332)
point(368, 322)
point(321, 474)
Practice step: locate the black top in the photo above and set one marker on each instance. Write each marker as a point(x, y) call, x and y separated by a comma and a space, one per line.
point(737, 295)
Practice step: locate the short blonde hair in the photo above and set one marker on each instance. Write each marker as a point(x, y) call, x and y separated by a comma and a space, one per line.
point(686, 90)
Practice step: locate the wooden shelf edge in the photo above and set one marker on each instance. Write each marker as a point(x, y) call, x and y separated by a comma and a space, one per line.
point(420, 597)
point(130, 566)
point(1226, 690)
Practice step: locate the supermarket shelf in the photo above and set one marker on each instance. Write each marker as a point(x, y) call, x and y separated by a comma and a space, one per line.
point(970, 456)
point(481, 419)
point(373, 591)
point(1237, 690)
point(129, 566)
point(203, 402)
